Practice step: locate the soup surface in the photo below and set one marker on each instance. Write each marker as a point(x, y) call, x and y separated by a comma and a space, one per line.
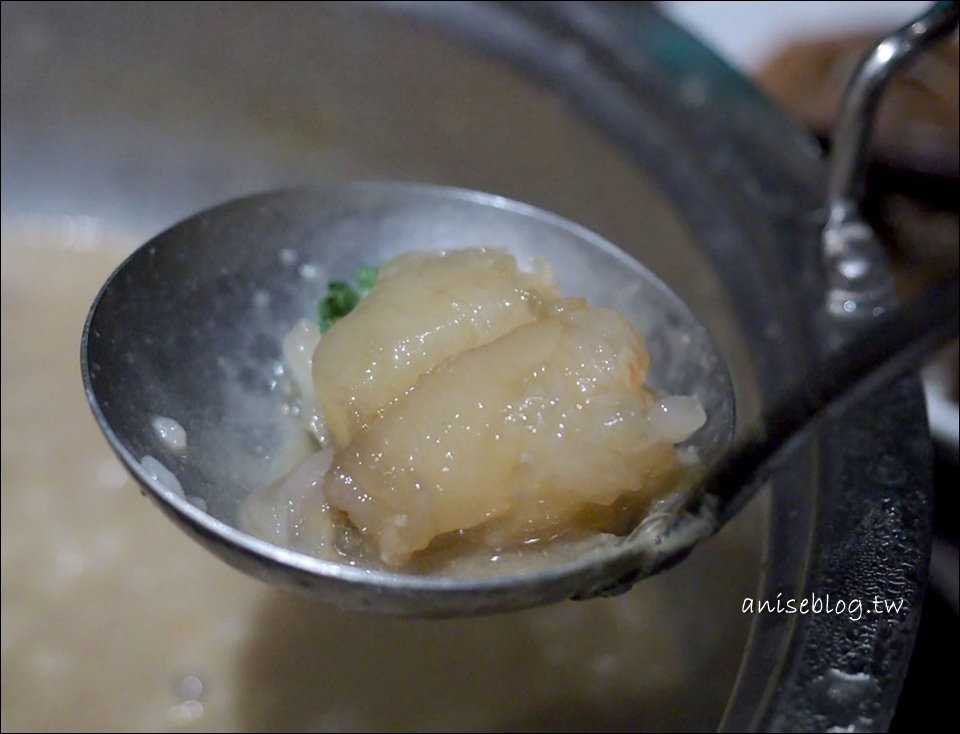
point(114, 620)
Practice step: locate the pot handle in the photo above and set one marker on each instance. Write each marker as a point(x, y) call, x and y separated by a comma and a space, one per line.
point(859, 280)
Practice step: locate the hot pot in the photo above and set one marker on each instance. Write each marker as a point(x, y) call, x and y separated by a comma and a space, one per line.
point(120, 119)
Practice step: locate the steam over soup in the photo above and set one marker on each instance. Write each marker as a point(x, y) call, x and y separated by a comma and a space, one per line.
point(469, 416)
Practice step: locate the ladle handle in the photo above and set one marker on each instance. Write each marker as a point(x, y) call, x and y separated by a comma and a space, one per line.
point(893, 346)
point(859, 281)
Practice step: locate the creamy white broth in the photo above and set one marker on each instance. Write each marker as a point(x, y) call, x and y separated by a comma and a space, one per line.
point(114, 620)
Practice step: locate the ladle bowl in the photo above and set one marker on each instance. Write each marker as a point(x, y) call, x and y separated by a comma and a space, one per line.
point(190, 328)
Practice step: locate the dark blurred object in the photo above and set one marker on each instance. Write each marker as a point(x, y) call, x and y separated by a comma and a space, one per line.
point(916, 128)
point(913, 179)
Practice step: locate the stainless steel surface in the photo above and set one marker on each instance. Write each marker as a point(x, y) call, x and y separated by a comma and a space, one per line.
point(136, 115)
point(861, 283)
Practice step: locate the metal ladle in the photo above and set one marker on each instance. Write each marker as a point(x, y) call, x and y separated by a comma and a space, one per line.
point(189, 328)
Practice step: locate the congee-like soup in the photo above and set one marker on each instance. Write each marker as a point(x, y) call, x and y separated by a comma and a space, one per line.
point(115, 620)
